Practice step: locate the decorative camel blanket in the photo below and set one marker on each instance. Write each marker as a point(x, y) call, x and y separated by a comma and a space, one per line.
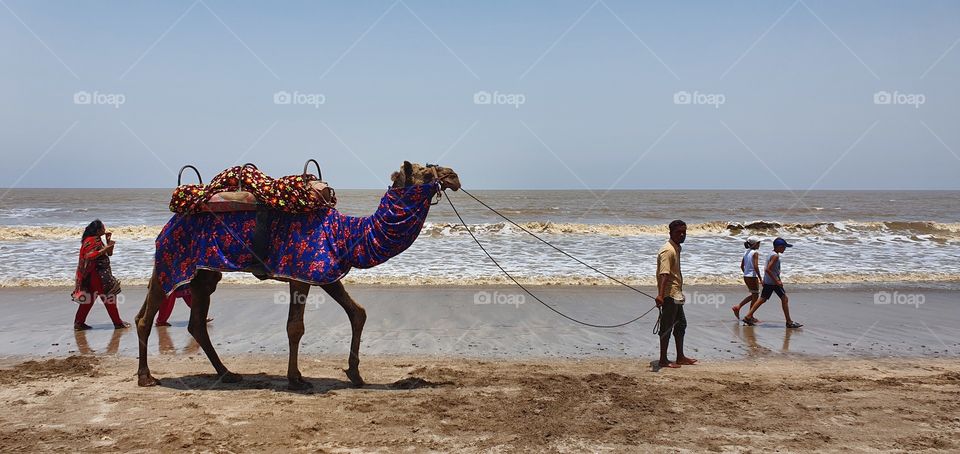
point(318, 247)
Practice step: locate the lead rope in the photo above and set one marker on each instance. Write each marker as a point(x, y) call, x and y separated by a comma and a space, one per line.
point(556, 248)
point(506, 273)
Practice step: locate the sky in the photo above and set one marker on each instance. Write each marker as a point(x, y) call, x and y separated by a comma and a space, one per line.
point(599, 94)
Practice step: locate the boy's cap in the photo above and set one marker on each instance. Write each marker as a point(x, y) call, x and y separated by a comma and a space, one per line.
point(753, 240)
point(781, 242)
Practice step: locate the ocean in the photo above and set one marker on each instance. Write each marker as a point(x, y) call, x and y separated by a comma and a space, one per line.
point(843, 238)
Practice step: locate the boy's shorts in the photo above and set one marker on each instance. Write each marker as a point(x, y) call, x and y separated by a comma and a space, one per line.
point(770, 289)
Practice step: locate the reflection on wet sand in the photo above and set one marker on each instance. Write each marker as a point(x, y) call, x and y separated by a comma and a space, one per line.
point(786, 339)
point(748, 335)
point(113, 346)
point(167, 347)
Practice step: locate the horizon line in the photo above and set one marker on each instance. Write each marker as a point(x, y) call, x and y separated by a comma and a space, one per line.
point(549, 189)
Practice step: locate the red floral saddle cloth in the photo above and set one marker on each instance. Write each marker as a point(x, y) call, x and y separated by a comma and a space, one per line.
point(246, 188)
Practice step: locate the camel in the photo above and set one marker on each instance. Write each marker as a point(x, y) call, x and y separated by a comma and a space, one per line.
point(423, 182)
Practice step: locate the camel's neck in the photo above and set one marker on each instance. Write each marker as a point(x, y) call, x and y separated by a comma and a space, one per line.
point(393, 227)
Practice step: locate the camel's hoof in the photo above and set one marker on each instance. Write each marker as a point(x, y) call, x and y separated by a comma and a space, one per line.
point(354, 376)
point(231, 377)
point(299, 385)
point(147, 380)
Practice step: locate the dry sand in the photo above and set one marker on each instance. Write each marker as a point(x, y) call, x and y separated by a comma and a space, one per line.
point(417, 404)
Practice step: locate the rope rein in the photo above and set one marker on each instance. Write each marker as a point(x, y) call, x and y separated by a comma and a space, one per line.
point(518, 284)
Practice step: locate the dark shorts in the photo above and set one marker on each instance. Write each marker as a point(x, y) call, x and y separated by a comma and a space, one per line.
point(672, 319)
point(770, 289)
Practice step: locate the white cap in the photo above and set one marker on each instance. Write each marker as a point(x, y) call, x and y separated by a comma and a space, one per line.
point(753, 240)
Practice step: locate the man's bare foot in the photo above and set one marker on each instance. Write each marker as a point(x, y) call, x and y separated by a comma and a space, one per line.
point(668, 364)
point(736, 311)
point(81, 327)
point(121, 325)
point(686, 361)
point(163, 324)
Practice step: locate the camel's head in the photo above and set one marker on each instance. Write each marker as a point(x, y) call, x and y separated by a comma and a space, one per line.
point(416, 174)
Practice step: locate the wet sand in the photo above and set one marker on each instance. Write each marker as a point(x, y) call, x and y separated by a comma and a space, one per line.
point(447, 321)
point(430, 404)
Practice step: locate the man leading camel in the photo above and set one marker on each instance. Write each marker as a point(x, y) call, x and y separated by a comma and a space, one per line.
point(670, 296)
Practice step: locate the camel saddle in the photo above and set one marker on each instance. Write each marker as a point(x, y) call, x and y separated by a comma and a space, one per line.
point(246, 188)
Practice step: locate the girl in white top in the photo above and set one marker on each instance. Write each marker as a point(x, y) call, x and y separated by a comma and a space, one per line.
point(750, 265)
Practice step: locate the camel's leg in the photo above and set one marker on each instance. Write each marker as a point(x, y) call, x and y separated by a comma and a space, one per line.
point(357, 316)
point(201, 287)
point(298, 297)
point(148, 311)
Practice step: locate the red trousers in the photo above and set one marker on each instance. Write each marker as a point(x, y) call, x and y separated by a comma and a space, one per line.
point(166, 307)
point(110, 302)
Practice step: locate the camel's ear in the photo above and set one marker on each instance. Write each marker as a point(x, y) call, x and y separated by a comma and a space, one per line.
point(408, 170)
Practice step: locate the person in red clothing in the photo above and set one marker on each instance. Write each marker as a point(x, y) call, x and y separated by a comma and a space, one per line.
point(94, 277)
point(166, 308)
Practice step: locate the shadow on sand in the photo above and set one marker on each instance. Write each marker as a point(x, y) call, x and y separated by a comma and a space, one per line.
point(278, 383)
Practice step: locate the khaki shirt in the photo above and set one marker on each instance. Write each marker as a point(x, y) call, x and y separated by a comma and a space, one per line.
point(668, 262)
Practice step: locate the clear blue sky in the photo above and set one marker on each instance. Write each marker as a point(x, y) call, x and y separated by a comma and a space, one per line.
point(398, 79)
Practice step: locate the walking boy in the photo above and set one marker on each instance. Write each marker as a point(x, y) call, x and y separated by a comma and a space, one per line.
point(772, 284)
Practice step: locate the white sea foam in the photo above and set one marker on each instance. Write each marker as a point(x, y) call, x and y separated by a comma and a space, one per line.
point(935, 230)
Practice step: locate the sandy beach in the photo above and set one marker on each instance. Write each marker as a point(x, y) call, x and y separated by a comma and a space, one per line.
point(431, 404)
point(484, 369)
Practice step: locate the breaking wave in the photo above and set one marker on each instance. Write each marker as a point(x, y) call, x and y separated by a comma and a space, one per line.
point(126, 232)
point(945, 231)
